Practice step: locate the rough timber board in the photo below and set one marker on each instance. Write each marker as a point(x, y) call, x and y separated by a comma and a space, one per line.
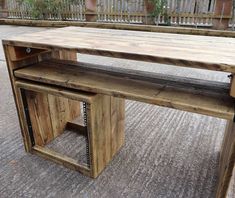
point(227, 160)
point(212, 53)
point(218, 105)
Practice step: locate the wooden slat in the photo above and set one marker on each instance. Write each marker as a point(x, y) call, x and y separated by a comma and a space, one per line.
point(183, 50)
point(61, 159)
point(49, 109)
point(105, 130)
point(212, 101)
point(21, 53)
point(57, 91)
point(16, 92)
point(227, 160)
point(76, 127)
point(38, 106)
point(120, 26)
point(73, 105)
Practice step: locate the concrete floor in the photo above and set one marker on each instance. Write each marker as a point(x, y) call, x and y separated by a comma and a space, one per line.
point(17, 166)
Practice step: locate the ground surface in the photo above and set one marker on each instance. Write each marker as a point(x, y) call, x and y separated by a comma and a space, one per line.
point(167, 153)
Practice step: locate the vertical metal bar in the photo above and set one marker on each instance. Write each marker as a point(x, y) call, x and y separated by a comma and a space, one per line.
point(27, 116)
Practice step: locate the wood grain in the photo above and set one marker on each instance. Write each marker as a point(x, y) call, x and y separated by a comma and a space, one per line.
point(38, 106)
point(12, 65)
point(198, 100)
point(227, 160)
point(106, 131)
point(50, 114)
point(21, 53)
point(120, 26)
point(61, 159)
point(232, 86)
point(183, 50)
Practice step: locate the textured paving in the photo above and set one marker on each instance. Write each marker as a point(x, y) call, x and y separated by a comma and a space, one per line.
point(167, 153)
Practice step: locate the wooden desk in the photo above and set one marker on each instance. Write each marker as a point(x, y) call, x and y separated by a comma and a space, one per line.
point(45, 63)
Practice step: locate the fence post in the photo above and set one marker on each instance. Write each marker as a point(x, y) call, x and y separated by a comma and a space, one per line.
point(90, 10)
point(223, 8)
point(149, 8)
point(3, 13)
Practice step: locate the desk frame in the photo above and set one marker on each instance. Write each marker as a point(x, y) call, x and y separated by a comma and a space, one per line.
point(17, 57)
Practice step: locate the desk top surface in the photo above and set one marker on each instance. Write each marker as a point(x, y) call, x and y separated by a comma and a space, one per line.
point(214, 53)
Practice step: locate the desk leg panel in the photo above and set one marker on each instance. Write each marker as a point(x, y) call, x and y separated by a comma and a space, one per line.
point(16, 53)
point(105, 130)
point(227, 160)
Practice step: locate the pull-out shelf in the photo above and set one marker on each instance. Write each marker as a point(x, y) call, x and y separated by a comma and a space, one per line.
point(198, 96)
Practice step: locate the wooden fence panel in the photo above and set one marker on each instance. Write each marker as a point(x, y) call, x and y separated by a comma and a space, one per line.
point(120, 11)
point(63, 10)
point(179, 12)
point(188, 13)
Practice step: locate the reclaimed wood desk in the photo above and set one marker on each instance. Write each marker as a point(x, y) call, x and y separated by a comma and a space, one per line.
point(49, 83)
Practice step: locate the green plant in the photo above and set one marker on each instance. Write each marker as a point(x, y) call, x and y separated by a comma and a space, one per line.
point(160, 9)
point(42, 9)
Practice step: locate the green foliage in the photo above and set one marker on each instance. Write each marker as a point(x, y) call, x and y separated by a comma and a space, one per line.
point(40, 9)
point(160, 9)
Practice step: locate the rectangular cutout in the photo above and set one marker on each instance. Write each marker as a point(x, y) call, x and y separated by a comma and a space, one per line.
point(20, 53)
point(56, 124)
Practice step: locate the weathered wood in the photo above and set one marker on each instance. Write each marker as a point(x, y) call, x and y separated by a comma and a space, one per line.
point(199, 85)
point(20, 53)
point(186, 51)
point(222, 8)
point(12, 65)
point(49, 110)
point(213, 101)
point(78, 127)
point(232, 86)
point(105, 113)
point(50, 115)
point(63, 54)
point(106, 136)
point(136, 27)
point(227, 160)
point(59, 110)
point(61, 159)
point(56, 91)
point(38, 106)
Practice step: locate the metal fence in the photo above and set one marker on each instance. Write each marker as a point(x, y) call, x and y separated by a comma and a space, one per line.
point(179, 12)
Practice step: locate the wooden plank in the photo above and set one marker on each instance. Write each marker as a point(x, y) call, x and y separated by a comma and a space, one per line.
point(60, 114)
point(227, 160)
point(77, 127)
point(62, 54)
point(60, 92)
point(12, 65)
point(120, 26)
point(117, 124)
point(49, 112)
point(212, 101)
point(61, 159)
point(170, 80)
point(40, 118)
point(232, 86)
point(187, 50)
point(105, 131)
point(20, 53)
